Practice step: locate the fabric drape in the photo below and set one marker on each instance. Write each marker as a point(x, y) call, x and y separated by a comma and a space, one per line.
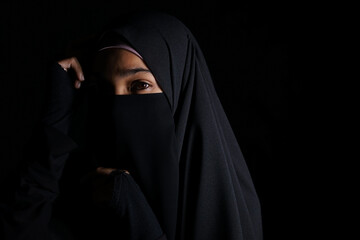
point(217, 197)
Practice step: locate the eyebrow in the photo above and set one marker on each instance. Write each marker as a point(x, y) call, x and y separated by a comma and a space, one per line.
point(132, 71)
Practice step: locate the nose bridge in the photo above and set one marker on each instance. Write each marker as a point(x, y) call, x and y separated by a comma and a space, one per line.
point(121, 88)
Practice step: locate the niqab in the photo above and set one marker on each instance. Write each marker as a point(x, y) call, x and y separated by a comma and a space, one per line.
point(216, 198)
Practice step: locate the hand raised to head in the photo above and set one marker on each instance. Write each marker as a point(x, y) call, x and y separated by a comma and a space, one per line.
point(73, 64)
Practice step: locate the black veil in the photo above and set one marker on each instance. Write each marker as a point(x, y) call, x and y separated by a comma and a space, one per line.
point(217, 198)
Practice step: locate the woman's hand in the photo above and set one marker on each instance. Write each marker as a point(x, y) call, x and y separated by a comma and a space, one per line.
point(63, 75)
point(102, 184)
point(107, 171)
point(73, 64)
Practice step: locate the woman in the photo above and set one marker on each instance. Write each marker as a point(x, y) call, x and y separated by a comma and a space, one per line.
point(159, 160)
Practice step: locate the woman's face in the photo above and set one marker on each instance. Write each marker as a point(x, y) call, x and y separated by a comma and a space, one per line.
point(126, 72)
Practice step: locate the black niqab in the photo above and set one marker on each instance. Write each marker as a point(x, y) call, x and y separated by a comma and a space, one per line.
point(137, 133)
point(216, 195)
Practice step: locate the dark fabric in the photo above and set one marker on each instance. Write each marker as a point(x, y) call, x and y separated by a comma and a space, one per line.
point(129, 203)
point(192, 175)
point(48, 204)
point(217, 198)
point(60, 95)
point(125, 215)
point(29, 213)
point(137, 133)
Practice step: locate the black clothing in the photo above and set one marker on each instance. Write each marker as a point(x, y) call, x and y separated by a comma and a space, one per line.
point(49, 206)
point(187, 163)
point(217, 198)
point(140, 137)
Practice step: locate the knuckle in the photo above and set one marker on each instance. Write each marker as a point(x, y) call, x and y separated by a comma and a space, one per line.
point(72, 60)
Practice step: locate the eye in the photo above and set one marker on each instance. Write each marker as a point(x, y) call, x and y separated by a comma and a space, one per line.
point(139, 85)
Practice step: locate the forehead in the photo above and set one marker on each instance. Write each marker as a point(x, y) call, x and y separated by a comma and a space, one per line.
point(116, 57)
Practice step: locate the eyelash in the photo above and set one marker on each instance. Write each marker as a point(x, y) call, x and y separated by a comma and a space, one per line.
point(135, 83)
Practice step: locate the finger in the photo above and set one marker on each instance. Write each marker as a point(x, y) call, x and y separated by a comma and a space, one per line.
point(104, 171)
point(77, 68)
point(65, 64)
point(73, 63)
point(77, 84)
point(125, 171)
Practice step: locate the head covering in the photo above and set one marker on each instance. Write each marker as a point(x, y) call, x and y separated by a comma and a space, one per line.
point(216, 196)
point(122, 45)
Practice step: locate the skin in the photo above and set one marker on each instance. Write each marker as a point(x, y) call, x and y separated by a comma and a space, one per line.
point(127, 74)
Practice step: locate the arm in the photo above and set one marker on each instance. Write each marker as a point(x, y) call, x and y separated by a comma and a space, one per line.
point(132, 213)
point(49, 147)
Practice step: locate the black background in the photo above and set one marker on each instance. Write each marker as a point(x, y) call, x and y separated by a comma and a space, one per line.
point(251, 50)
